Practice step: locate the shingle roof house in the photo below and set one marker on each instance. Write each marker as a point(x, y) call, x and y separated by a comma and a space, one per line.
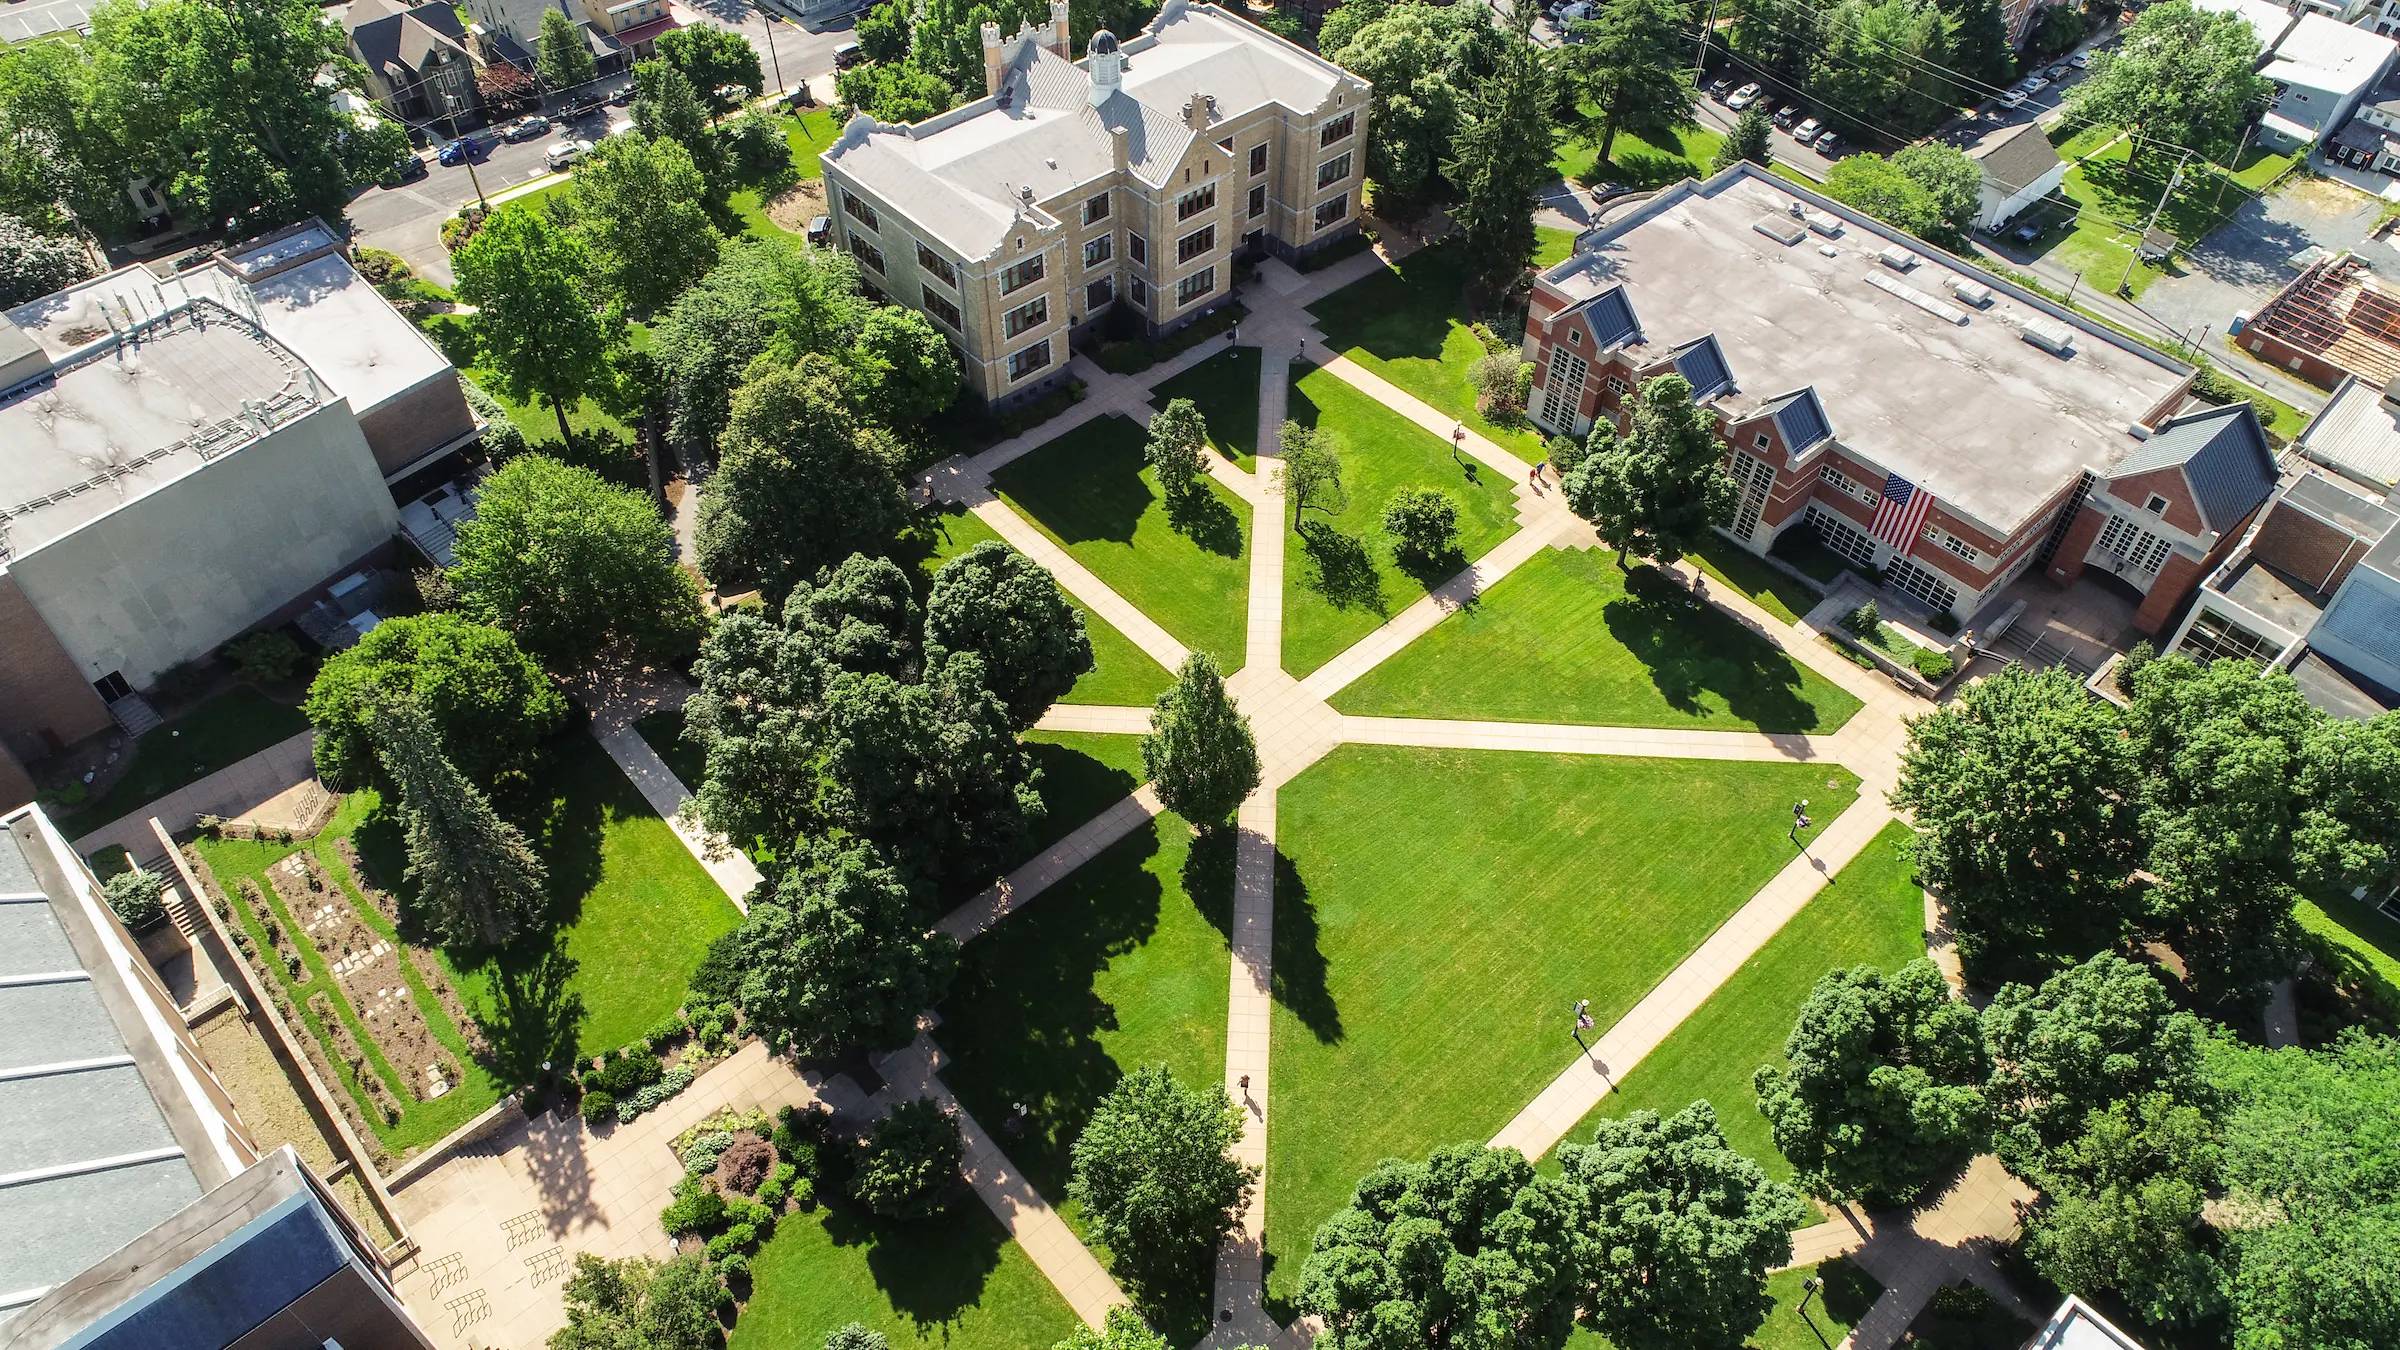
point(416, 59)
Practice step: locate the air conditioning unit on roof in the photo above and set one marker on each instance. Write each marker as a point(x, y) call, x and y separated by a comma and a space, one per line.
point(1785, 232)
point(1897, 258)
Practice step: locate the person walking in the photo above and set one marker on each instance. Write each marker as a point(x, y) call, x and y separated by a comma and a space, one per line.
point(1800, 820)
point(1583, 1020)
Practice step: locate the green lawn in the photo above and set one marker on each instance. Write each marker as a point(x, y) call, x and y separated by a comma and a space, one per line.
point(1408, 324)
point(1638, 163)
point(1561, 639)
point(1551, 246)
point(1123, 964)
point(953, 1282)
point(1225, 390)
point(1083, 774)
point(808, 134)
point(1121, 672)
point(1871, 913)
point(1422, 993)
point(224, 730)
point(1770, 588)
point(2111, 191)
point(1848, 1293)
point(1089, 491)
point(1340, 579)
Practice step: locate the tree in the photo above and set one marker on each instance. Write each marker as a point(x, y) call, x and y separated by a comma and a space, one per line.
point(564, 56)
point(1979, 42)
point(33, 264)
point(1657, 489)
point(1311, 473)
point(2178, 77)
point(489, 703)
point(1876, 186)
point(1423, 524)
point(1777, 36)
point(1178, 440)
point(573, 567)
point(1628, 69)
point(1468, 1248)
point(800, 485)
point(1007, 608)
point(62, 146)
point(1752, 139)
point(714, 60)
point(908, 1160)
point(638, 209)
point(1881, 1095)
point(2023, 792)
point(837, 957)
point(1124, 1330)
point(1156, 1177)
point(882, 32)
point(665, 105)
point(2351, 836)
point(764, 296)
point(894, 94)
point(2055, 30)
point(2092, 1036)
point(861, 617)
point(856, 1336)
point(902, 370)
point(636, 1304)
point(2122, 1214)
point(1501, 160)
point(1421, 61)
point(478, 882)
point(527, 279)
point(1952, 181)
point(1679, 1232)
point(137, 897)
point(1200, 753)
point(1885, 63)
point(505, 90)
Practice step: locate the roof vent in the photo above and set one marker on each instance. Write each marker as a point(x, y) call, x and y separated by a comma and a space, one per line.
point(1784, 232)
point(1824, 222)
point(1940, 309)
point(1897, 258)
point(1971, 292)
point(2052, 337)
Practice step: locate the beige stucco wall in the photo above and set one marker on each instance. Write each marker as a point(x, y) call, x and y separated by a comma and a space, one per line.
point(170, 575)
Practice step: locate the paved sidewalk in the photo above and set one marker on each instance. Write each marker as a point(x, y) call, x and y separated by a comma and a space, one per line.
point(969, 920)
point(237, 789)
point(1112, 718)
point(617, 704)
point(1263, 649)
point(1249, 1015)
point(1545, 738)
point(1079, 581)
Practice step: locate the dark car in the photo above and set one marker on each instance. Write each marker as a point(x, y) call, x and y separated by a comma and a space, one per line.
point(196, 257)
point(847, 55)
point(585, 106)
point(404, 169)
point(460, 151)
point(1718, 87)
point(820, 230)
point(1787, 114)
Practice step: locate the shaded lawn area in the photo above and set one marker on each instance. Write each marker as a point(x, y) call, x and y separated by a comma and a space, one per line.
point(808, 134)
point(952, 1282)
point(1225, 390)
point(1121, 672)
point(664, 731)
point(1568, 638)
point(1770, 588)
point(1340, 579)
point(1121, 965)
point(2357, 947)
point(1437, 914)
point(1848, 1293)
point(220, 732)
point(2107, 186)
point(455, 335)
point(1871, 913)
point(1083, 774)
point(1551, 247)
point(1408, 324)
point(1089, 491)
point(1639, 163)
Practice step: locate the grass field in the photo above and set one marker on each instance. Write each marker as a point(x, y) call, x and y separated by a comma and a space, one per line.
point(1638, 163)
point(1770, 588)
point(1121, 672)
point(953, 1282)
point(1225, 390)
point(1438, 913)
point(1566, 637)
point(1871, 913)
point(1848, 1293)
point(2110, 190)
point(1551, 246)
point(1408, 323)
point(1089, 491)
point(1340, 579)
point(808, 134)
point(228, 728)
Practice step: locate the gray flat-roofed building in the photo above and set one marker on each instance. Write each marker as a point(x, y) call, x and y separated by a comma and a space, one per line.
point(2358, 434)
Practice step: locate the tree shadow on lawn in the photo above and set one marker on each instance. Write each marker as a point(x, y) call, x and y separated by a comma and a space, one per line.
point(1399, 313)
point(1690, 651)
point(1203, 517)
point(1086, 485)
point(1342, 568)
point(932, 1269)
point(1299, 979)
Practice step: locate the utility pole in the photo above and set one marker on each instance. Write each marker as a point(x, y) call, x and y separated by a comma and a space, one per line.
point(769, 20)
point(468, 155)
point(1700, 71)
point(2174, 180)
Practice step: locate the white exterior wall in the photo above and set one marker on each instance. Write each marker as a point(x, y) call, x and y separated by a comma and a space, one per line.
point(172, 574)
point(1996, 208)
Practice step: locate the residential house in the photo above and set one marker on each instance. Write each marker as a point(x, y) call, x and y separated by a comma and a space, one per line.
point(1931, 423)
point(140, 1211)
point(2321, 67)
point(2371, 139)
point(1127, 183)
point(2019, 168)
point(417, 61)
point(619, 34)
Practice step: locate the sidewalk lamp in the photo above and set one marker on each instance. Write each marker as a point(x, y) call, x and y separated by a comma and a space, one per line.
point(1810, 1288)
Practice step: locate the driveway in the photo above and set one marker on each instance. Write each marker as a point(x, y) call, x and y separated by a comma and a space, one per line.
point(407, 219)
point(2246, 260)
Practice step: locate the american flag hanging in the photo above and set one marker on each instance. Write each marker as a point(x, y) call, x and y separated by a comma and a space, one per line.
point(1901, 515)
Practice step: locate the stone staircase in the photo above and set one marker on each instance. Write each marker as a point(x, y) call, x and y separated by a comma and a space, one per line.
point(134, 713)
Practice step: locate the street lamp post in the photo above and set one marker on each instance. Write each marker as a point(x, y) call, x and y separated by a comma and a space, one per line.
point(1810, 1288)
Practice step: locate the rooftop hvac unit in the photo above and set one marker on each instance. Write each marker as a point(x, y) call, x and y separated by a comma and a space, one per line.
point(1972, 292)
point(1940, 309)
point(1824, 222)
point(2054, 338)
point(1784, 232)
point(1897, 258)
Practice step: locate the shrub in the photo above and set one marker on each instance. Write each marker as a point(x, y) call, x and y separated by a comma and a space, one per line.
point(743, 1166)
point(379, 266)
point(777, 1188)
point(694, 1209)
point(675, 1080)
point(664, 1032)
point(744, 1211)
point(756, 142)
point(908, 1160)
point(1423, 524)
point(700, 1158)
point(1933, 665)
point(1498, 388)
point(719, 978)
point(1563, 453)
point(265, 657)
point(739, 1238)
point(135, 896)
point(856, 1336)
point(458, 229)
point(1863, 622)
point(599, 1106)
point(734, 1266)
point(2137, 656)
point(712, 1026)
point(626, 1074)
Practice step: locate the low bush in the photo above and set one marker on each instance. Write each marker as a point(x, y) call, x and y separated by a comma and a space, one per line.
point(741, 1237)
point(625, 1074)
point(1933, 665)
point(599, 1107)
point(1334, 253)
point(695, 1209)
point(665, 1032)
point(734, 1266)
point(646, 1100)
point(267, 657)
point(136, 896)
point(1863, 621)
point(908, 1160)
point(777, 1188)
point(701, 1157)
point(743, 1167)
point(719, 978)
point(1943, 621)
point(379, 266)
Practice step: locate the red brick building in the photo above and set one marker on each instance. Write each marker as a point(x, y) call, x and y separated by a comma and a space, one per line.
point(1929, 421)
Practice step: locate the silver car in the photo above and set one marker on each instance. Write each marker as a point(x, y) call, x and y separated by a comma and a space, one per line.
point(1743, 97)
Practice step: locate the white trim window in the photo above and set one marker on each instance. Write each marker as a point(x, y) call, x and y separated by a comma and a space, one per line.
point(1198, 244)
point(1025, 362)
point(1333, 170)
point(1197, 200)
point(1338, 129)
point(936, 264)
point(1937, 535)
point(1916, 579)
point(1098, 250)
point(1333, 211)
point(860, 211)
point(1562, 393)
point(1018, 276)
point(1095, 209)
point(938, 305)
point(1026, 317)
point(1195, 286)
point(1850, 487)
point(2141, 550)
point(1852, 544)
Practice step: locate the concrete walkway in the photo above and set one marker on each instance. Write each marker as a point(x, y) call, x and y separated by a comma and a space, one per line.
point(237, 789)
point(618, 702)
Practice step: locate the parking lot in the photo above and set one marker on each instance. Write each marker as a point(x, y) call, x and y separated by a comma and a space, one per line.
point(2243, 263)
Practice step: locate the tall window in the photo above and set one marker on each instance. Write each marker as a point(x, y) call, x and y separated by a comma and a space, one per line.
point(1562, 393)
point(1033, 358)
point(2141, 550)
point(1914, 578)
point(1097, 295)
point(1138, 291)
point(1097, 251)
point(860, 211)
point(1096, 209)
point(867, 254)
point(1194, 286)
point(1334, 170)
point(1258, 159)
point(939, 306)
point(1137, 248)
point(1018, 276)
point(1196, 201)
point(1338, 129)
point(937, 264)
point(1258, 201)
point(1195, 245)
point(1332, 210)
point(1032, 314)
point(1852, 543)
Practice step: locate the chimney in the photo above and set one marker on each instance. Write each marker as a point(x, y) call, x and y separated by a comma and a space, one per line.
point(1121, 147)
point(1107, 63)
point(995, 59)
point(1055, 37)
point(1195, 113)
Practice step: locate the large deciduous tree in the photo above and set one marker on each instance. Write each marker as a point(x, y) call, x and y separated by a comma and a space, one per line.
point(639, 207)
point(2093, 1036)
point(1468, 1248)
point(478, 883)
point(1628, 72)
point(618, 1305)
point(529, 281)
point(902, 370)
point(2179, 76)
point(489, 703)
point(1657, 489)
point(1500, 161)
point(1178, 440)
point(33, 264)
point(714, 60)
point(666, 104)
point(1311, 471)
point(1007, 608)
point(838, 957)
point(800, 484)
point(573, 567)
point(563, 55)
point(1679, 1232)
point(763, 296)
point(1124, 1330)
point(1422, 61)
point(1952, 182)
point(1155, 1175)
point(1882, 1092)
point(1200, 752)
point(895, 93)
point(1878, 187)
point(2122, 1210)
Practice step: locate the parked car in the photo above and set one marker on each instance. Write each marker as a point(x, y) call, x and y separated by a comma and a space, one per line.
point(1828, 145)
point(1717, 88)
point(847, 55)
point(1807, 130)
point(565, 153)
point(2034, 84)
point(1743, 97)
point(584, 106)
point(620, 96)
point(2081, 60)
point(1786, 115)
point(2056, 72)
point(525, 129)
point(404, 169)
point(820, 230)
point(2014, 98)
point(460, 151)
point(2028, 233)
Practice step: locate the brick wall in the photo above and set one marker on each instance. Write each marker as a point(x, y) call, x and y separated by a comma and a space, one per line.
point(418, 422)
point(2282, 355)
point(2066, 567)
point(45, 702)
point(2308, 548)
point(2174, 584)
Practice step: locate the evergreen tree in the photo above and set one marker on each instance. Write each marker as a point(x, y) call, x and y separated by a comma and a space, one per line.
point(1628, 69)
point(1658, 489)
point(666, 105)
point(1200, 752)
point(1501, 160)
point(564, 59)
point(1752, 139)
point(478, 881)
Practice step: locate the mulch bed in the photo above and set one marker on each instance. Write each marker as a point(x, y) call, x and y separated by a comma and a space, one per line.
point(368, 968)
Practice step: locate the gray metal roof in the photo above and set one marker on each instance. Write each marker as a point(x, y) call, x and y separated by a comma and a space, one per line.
point(1800, 419)
point(1702, 362)
point(2333, 690)
point(2013, 157)
point(1610, 316)
point(2357, 435)
point(2224, 457)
